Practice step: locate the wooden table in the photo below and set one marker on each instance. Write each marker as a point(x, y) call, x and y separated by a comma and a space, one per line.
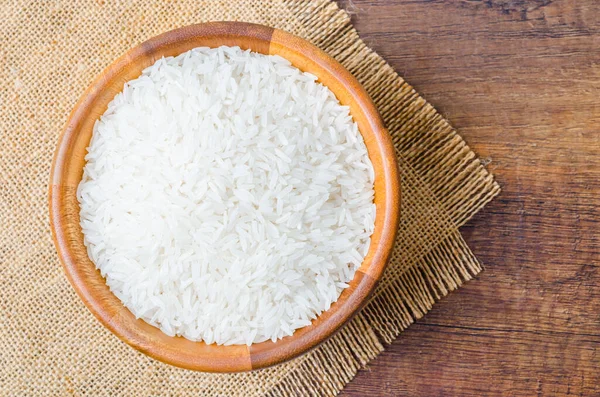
point(520, 80)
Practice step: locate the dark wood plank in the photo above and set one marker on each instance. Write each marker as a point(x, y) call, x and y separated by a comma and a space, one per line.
point(520, 79)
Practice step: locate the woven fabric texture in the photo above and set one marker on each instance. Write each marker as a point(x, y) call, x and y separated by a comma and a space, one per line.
point(50, 344)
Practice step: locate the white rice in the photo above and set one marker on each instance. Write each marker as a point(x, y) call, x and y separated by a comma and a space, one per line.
point(227, 196)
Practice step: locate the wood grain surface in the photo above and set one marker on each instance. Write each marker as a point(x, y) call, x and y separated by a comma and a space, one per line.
point(520, 80)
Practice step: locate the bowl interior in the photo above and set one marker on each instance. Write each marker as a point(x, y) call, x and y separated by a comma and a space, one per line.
point(67, 172)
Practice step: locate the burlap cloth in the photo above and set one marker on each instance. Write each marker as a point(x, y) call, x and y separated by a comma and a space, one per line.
point(50, 344)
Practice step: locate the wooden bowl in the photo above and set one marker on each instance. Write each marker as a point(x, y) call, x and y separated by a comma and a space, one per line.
point(67, 171)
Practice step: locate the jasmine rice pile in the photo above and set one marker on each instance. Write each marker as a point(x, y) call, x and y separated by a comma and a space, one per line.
point(227, 196)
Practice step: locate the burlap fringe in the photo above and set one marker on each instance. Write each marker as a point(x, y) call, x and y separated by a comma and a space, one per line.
point(325, 371)
point(414, 292)
point(391, 311)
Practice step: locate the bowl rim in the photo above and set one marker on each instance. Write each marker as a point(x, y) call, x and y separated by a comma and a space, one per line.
point(139, 334)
